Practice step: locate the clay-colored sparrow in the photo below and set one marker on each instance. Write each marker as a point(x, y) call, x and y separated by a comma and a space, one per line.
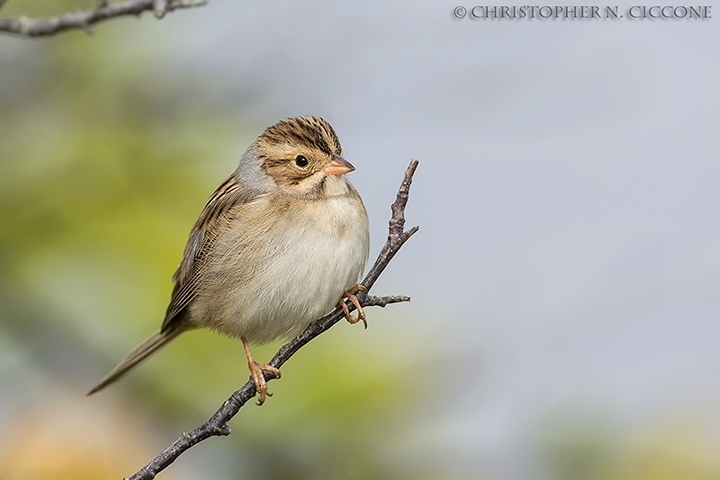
point(278, 244)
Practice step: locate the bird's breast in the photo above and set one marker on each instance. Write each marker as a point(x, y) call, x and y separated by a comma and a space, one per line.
point(287, 265)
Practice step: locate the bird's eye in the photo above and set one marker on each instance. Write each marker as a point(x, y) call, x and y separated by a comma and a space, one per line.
point(301, 161)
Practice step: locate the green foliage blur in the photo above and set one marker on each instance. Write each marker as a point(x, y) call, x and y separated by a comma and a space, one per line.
point(105, 161)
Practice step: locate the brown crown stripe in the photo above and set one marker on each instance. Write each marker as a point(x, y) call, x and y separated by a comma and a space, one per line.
point(308, 131)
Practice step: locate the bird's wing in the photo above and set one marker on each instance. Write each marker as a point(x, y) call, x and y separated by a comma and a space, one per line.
point(202, 239)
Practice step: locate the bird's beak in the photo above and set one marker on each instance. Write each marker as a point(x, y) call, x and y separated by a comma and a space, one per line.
point(338, 166)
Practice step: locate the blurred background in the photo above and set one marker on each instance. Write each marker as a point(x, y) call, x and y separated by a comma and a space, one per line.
point(564, 322)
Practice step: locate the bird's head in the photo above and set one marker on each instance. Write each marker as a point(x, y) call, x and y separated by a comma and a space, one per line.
point(303, 156)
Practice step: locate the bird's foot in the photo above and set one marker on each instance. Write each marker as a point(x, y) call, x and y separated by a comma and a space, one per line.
point(256, 370)
point(350, 295)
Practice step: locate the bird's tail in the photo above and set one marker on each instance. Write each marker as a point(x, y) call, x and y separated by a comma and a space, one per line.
point(137, 356)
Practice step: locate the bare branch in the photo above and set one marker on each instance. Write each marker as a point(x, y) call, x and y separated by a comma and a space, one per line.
point(372, 301)
point(218, 423)
point(85, 19)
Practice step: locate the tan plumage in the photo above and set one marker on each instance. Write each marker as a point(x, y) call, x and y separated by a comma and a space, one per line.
point(276, 246)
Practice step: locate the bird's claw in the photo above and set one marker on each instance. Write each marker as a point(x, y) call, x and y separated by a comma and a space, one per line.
point(256, 371)
point(350, 295)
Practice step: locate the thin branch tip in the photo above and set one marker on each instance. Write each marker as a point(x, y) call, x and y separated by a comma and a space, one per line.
point(78, 19)
point(382, 302)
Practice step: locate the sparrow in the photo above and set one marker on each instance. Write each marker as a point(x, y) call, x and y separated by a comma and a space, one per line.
point(280, 243)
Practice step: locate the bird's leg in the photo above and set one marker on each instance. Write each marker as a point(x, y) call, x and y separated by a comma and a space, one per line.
point(256, 370)
point(350, 295)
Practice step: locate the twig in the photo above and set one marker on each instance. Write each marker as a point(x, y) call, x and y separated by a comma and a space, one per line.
point(217, 425)
point(85, 19)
